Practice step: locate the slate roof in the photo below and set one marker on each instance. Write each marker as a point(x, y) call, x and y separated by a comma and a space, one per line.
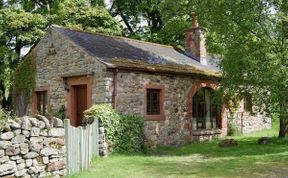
point(136, 54)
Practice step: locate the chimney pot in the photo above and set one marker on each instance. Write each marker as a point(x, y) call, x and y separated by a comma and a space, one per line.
point(195, 41)
point(195, 21)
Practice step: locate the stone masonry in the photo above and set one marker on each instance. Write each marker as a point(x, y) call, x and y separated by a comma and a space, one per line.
point(173, 129)
point(69, 59)
point(33, 147)
point(130, 99)
point(248, 123)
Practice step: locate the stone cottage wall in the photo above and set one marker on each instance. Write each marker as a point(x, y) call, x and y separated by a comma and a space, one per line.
point(130, 99)
point(173, 130)
point(66, 59)
point(33, 147)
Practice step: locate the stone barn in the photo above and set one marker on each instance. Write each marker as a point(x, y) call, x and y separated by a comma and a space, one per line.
point(170, 87)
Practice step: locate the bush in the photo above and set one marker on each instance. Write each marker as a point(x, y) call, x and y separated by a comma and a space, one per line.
point(131, 136)
point(4, 116)
point(233, 130)
point(124, 133)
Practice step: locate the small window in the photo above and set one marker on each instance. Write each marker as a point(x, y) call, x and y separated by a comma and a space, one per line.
point(153, 101)
point(41, 102)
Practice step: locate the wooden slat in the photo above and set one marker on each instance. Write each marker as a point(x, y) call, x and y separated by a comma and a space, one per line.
point(81, 145)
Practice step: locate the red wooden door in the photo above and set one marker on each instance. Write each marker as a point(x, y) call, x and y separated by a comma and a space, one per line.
point(80, 104)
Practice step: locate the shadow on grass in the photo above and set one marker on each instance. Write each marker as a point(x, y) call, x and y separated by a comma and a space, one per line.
point(232, 167)
point(246, 147)
point(248, 159)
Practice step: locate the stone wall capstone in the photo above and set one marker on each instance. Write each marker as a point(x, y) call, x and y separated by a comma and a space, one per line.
point(33, 147)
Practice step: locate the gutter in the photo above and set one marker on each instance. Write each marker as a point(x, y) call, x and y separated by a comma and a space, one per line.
point(114, 95)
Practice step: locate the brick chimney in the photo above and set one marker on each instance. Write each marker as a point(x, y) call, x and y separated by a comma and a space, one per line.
point(195, 42)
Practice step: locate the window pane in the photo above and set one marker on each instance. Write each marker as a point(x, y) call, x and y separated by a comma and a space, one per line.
point(148, 102)
point(41, 102)
point(205, 113)
point(153, 101)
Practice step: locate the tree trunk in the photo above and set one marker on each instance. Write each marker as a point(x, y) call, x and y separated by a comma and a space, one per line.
point(283, 127)
point(1, 4)
point(283, 131)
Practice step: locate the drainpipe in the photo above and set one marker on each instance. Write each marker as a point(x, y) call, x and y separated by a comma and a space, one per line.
point(114, 88)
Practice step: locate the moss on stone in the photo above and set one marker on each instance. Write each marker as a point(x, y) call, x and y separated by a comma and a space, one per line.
point(170, 68)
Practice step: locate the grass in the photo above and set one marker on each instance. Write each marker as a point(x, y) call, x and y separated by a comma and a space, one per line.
point(248, 159)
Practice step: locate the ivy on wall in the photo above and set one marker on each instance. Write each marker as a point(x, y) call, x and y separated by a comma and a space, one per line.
point(24, 76)
point(24, 84)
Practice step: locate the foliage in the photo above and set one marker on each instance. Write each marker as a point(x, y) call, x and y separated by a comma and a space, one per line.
point(4, 117)
point(133, 13)
point(131, 136)
point(24, 77)
point(22, 25)
point(252, 38)
point(232, 102)
point(21, 28)
point(255, 49)
point(124, 133)
point(60, 113)
point(233, 130)
point(5, 73)
point(77, 14)
point(17, 30)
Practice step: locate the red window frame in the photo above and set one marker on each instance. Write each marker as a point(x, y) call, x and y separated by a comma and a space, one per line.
point(158, 114)
point(153, 101)
point(38, 101)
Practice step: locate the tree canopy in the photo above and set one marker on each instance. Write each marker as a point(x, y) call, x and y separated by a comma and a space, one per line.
point(23, 23)
point(250, 36)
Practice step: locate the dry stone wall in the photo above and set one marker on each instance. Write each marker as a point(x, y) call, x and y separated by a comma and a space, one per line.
point(248, 123)
point(33, 147)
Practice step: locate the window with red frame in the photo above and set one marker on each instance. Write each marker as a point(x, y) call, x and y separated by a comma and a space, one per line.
point(153, 101)
point(41, 102)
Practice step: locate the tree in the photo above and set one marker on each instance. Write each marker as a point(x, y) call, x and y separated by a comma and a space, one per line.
point(252, 37)
point(132, 12)
point(18, 29)
point(80, 15)
point(23, 23)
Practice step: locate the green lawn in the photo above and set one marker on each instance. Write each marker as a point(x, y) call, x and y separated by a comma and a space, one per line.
point(248, 159)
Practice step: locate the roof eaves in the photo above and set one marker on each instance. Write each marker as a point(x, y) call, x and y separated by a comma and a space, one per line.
point(175, 69)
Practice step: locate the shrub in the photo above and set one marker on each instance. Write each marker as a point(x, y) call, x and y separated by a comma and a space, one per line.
point(124, 133)
point(61, 113)
point(233, 130)
point(131, 136)
point(4, 116)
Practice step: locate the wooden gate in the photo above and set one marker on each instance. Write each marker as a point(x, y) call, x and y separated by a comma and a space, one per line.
point(81, 145)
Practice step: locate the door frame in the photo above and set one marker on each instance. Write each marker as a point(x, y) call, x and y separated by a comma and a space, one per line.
point(74, 81)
